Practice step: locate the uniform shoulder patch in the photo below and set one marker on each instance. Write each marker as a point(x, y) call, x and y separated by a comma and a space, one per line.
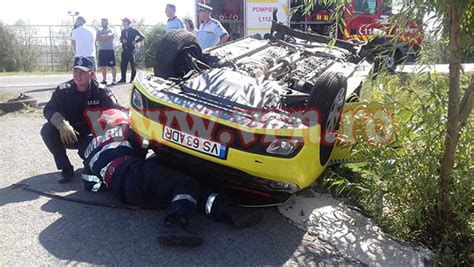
point(65, 85)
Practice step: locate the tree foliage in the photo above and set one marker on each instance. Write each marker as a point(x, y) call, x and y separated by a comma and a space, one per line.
point(9, 59)
point(63, 48)
point(151, 43)
point(451, 23)
point(28, 45)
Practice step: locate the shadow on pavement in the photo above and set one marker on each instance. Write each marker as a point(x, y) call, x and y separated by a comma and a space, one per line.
point(100, 235)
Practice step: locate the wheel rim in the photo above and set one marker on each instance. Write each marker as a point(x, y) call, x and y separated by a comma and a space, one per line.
point(389, 61)
point(332, 122)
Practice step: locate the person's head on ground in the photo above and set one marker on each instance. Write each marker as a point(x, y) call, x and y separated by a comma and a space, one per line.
point(126, 23)
point(82, 73)
point(102, 120)
point(170, 11)
point(80, 21)
point(104, 22)
point(204, 12)
point(188, 22)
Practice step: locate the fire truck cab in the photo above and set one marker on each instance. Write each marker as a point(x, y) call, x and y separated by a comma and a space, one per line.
point(362, 18)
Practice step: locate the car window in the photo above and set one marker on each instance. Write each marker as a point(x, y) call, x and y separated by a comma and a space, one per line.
point(365, 6)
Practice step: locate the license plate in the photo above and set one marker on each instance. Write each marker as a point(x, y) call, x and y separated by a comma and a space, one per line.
point(195, 143)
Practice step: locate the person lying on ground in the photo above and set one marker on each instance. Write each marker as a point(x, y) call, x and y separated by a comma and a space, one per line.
point(115, 159)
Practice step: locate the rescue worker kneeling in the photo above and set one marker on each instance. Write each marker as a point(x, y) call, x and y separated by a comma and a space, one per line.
point(115, 159)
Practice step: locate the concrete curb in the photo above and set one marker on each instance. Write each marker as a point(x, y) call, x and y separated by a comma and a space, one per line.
point(355, 236)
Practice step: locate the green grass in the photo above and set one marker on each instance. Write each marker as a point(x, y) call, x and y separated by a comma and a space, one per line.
point(401, 194)
point(4, 98)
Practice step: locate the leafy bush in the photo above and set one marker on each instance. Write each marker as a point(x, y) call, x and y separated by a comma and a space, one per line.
point(401, 193)
point(151, 42)
point(9, 59)
point(28, 45)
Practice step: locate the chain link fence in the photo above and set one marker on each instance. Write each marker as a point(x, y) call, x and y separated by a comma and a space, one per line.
point(48, 47)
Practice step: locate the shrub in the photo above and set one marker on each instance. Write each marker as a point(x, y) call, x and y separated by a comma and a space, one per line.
point(401, 192)
point(9, 59)
point(150, 45)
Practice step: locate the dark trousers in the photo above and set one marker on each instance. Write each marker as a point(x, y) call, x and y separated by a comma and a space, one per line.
point(52, 139)
point(128, 57)
point(148, 184)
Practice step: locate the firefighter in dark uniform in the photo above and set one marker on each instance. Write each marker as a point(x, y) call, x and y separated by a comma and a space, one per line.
point(66, 126)
point(114, 158)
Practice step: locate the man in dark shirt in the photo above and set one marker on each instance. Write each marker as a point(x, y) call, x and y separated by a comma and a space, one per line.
point(66, 126)
point(129, 38)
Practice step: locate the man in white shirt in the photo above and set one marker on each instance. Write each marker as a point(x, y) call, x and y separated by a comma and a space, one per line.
point(83, 41)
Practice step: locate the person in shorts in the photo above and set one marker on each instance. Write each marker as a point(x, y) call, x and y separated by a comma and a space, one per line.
point(105, 40)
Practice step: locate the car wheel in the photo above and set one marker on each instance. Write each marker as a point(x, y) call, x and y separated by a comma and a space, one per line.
point(328, 96)
point(387, 61)
point(18, 103)
point(172, 52)
point(355, 41)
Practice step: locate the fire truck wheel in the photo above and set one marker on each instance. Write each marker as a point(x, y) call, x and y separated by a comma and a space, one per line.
point(172, 53)
point(328, 97)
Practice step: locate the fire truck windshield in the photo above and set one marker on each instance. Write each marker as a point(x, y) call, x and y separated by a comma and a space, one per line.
point(386, 7)
point(365, 7)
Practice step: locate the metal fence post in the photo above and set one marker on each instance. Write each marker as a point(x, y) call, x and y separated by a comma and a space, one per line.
point(51, 48)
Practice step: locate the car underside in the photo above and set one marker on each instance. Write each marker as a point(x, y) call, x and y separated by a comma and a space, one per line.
point(258, 115)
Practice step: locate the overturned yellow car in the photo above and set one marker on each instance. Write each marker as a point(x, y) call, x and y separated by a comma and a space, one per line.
point(259, 115)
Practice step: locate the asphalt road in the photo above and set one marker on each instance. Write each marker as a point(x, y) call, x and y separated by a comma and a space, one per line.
point(39, 230)
point(38, 86)
point(311, 229)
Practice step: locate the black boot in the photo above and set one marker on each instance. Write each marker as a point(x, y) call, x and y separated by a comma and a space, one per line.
point(222, 209)
point(175, 234)
point(68, 175)
point(242, 217)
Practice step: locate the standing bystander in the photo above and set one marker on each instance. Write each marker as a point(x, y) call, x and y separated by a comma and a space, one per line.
point(174, 23)
point(211, 32)
point(188, 22)
point(129, 38)
point(83, 41)
point(105, 39)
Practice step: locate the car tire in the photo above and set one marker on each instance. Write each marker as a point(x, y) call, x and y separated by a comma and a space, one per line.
point(355, 41)
point(328, 96)
point(387, 61)
point(171, 51)
point(18, 103)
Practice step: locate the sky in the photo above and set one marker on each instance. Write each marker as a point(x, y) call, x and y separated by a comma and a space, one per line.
point(53, 12)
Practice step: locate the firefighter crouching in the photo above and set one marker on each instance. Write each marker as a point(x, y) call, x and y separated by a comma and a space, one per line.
point(66, 126)
point(115, 159)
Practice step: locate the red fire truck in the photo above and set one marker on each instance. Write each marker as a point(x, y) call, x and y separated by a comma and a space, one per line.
point(246, 17)
point(361, 18)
